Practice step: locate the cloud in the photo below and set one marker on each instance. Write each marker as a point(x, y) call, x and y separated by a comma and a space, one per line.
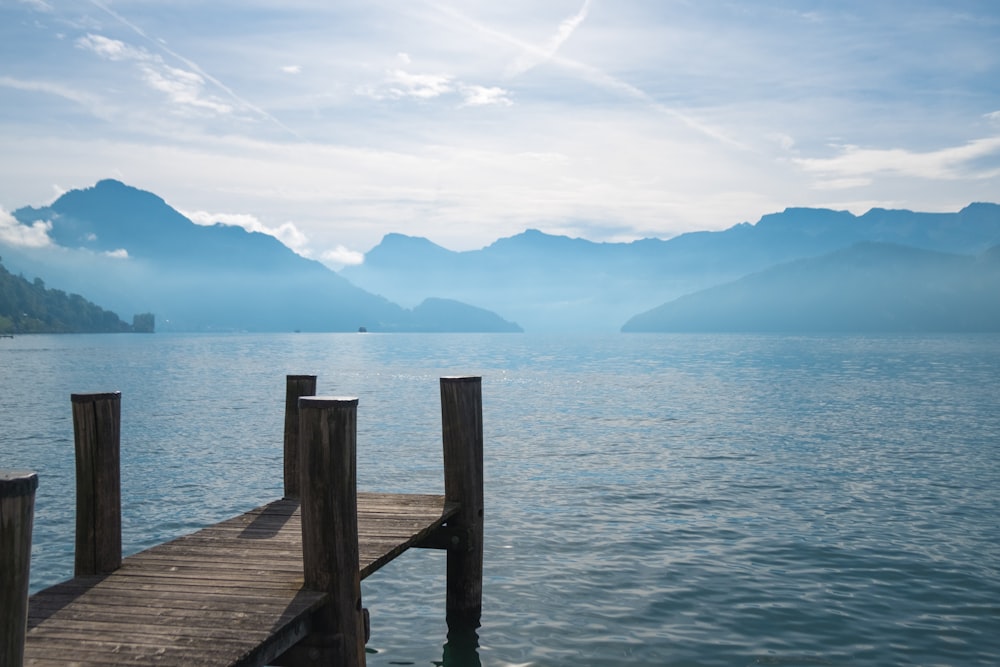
point(14, 233)
point(121, 253)
point(953, 163)
point(341, 256)
point(90, 102)
point(111, 49)
point(292, 69)
point(287, 232)
point(400, 84)
point(194, 67)
point(182, 87)
point(534, 56)
point(477, 96)
point(588, 73)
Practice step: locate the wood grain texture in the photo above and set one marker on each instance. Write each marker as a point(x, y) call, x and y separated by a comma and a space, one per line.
point(97, 439)
point(17, 510)
point(462, 440)
point(230, 594)
point(296, 386)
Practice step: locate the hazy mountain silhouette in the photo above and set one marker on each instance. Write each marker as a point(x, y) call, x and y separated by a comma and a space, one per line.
point(868, 287)
point(129, 251)
point(557, 283)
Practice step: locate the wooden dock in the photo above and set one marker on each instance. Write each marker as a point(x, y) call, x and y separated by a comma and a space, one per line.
point(277, 585)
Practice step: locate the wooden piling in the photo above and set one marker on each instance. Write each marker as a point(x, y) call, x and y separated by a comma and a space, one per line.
point(17, 507)
point(328, 486)
point(296, 386)
point(97, 436)
point(462, 438)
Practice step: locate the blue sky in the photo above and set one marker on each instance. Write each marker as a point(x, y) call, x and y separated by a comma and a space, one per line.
point(331, 124)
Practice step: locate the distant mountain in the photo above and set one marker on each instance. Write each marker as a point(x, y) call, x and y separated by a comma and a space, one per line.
point(30, 307)
point(556, 283)
point(868, 287)
point(447, 316)
point(130, 251)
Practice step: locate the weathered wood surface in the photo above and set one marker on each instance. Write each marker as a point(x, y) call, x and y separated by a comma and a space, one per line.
point(296, 386)
point(329, 508)
point(97, 439)
point(230, 594)
point(17, 505)
point(462, 440)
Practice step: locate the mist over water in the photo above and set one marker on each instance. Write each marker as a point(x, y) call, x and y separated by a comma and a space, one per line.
point(651, 500)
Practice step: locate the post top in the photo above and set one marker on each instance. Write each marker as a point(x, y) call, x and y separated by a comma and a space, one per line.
point(94, 397)
point(17, 483)
point(300, 377)
point(327, 401)
point(462, 378)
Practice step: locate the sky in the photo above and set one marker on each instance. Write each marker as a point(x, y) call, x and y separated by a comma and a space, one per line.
point(331, 124)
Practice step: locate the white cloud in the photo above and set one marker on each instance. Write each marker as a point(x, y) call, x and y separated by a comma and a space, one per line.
point(292, 69)
point(14, 233)
point(956, 162)
point(477, 96)
point(185, 88)
point(288, 233)
point(121, 253)
point(111, 49)
point(400, 83)
point(341, 256)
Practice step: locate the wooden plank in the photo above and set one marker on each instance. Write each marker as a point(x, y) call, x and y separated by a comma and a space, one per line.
point(229, 594)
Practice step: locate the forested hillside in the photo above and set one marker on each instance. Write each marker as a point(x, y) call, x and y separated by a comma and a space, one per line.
point(28, 307)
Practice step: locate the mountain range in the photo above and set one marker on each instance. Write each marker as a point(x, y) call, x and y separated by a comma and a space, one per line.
point(556, 283)
point(798, 270)
point(129, 251)
point(868, 287)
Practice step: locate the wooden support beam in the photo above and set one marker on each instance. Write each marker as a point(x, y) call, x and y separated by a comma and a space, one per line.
point(296, 386)
point(328, 484)
point(97, 436)
point(462, 439)
point(17, 511)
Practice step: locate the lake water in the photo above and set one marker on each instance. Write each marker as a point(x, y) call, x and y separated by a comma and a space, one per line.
point(651, 500)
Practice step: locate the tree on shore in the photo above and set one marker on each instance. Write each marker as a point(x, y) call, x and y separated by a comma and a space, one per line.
point(29, 307)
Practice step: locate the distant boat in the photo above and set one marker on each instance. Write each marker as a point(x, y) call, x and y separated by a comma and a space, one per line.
point(6, 335)
point(362, 330)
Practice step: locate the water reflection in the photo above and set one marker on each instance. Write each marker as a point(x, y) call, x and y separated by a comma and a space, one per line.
point(461, 649)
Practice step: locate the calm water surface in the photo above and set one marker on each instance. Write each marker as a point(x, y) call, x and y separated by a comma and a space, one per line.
point(651, 500)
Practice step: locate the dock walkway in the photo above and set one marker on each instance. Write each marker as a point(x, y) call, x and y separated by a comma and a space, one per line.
point(229, 594)
point(277, 585)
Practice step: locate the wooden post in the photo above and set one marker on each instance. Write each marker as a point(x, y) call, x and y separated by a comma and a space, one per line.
point(296, 386)
point(97, 434)
point(328, 483)
point(17, 510)
point(462, 438)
